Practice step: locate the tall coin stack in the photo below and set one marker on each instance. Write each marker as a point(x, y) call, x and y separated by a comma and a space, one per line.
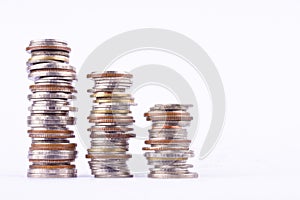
point(51, 153)
point(169, 148)
point(112, 118)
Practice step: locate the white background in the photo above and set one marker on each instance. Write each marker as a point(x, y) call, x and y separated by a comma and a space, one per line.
point(255, 46)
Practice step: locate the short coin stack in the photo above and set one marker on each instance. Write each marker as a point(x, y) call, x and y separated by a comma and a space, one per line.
point(51, 153)
point(169, 149)
point(112, 118)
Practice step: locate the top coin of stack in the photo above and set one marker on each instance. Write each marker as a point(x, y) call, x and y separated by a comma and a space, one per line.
point(169, 149)
point(52, 93)
point(112, 118)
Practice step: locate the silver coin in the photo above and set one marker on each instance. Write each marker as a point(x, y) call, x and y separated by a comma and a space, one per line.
point(168, 155)
point(49, 141)
point(51, 175)
point(95, 90)
point(36, 74)
point(187, 175)
point(52, 65)
point(54, 118)
point(158, 124)
point(52, 171)
point(50, 95)
point(41, 42)
point(61, 108)
point(50, 53)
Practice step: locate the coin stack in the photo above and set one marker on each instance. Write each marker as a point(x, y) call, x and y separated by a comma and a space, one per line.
point(169, 148)
point(112, 118)
point(51, 153)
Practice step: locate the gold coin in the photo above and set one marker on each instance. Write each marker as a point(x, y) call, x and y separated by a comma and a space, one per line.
point(59, 58)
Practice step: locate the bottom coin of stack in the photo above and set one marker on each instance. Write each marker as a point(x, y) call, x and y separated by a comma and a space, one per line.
point(169, 150)
point(112, 119)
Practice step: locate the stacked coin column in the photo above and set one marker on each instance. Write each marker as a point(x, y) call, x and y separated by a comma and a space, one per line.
point(169, 148)
point(112, 118)
point(51, 153)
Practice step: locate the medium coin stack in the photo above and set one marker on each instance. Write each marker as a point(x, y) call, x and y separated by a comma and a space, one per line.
point(169, 148)
point(112, 118)
point(51, 152)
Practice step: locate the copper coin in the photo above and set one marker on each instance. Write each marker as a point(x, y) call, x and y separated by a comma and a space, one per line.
point(168, 113)
point(48, 47)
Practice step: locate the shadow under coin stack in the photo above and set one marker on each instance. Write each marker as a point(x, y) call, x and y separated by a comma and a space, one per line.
point(51, 153)
point(112, 117)
point(169, 149)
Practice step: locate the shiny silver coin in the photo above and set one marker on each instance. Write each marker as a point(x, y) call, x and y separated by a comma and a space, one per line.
point(47, 112)
point(183, 145)
point(52, 135)
point(29, 175)
point(52, 162)
point(43, 81)
point(51, 102)
point(43, 73)
point(174, 165)
point(168, 155)
point(52, 171)
point(50, 95)
point(49, 141)
point(47, 59)
point(108, 143)
point(168, 136)
point(50, 53)
point(38, 74)
point(168, 171)
point(113, 123)
point(41, 42)
point(52, 65)
point(50, 123)
point(60, 108)
point(164, 162)
point(51, 157)
point(110, 72)
point(110, 107)
point(109, 171)
point(112, 84)
point(52, 152)
point(107, 163)
point(95, 90)
point(110, 175)
point(188, 175)
point(113, 81)
point(171, 107)
point(50, 118)
point(168, 131)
